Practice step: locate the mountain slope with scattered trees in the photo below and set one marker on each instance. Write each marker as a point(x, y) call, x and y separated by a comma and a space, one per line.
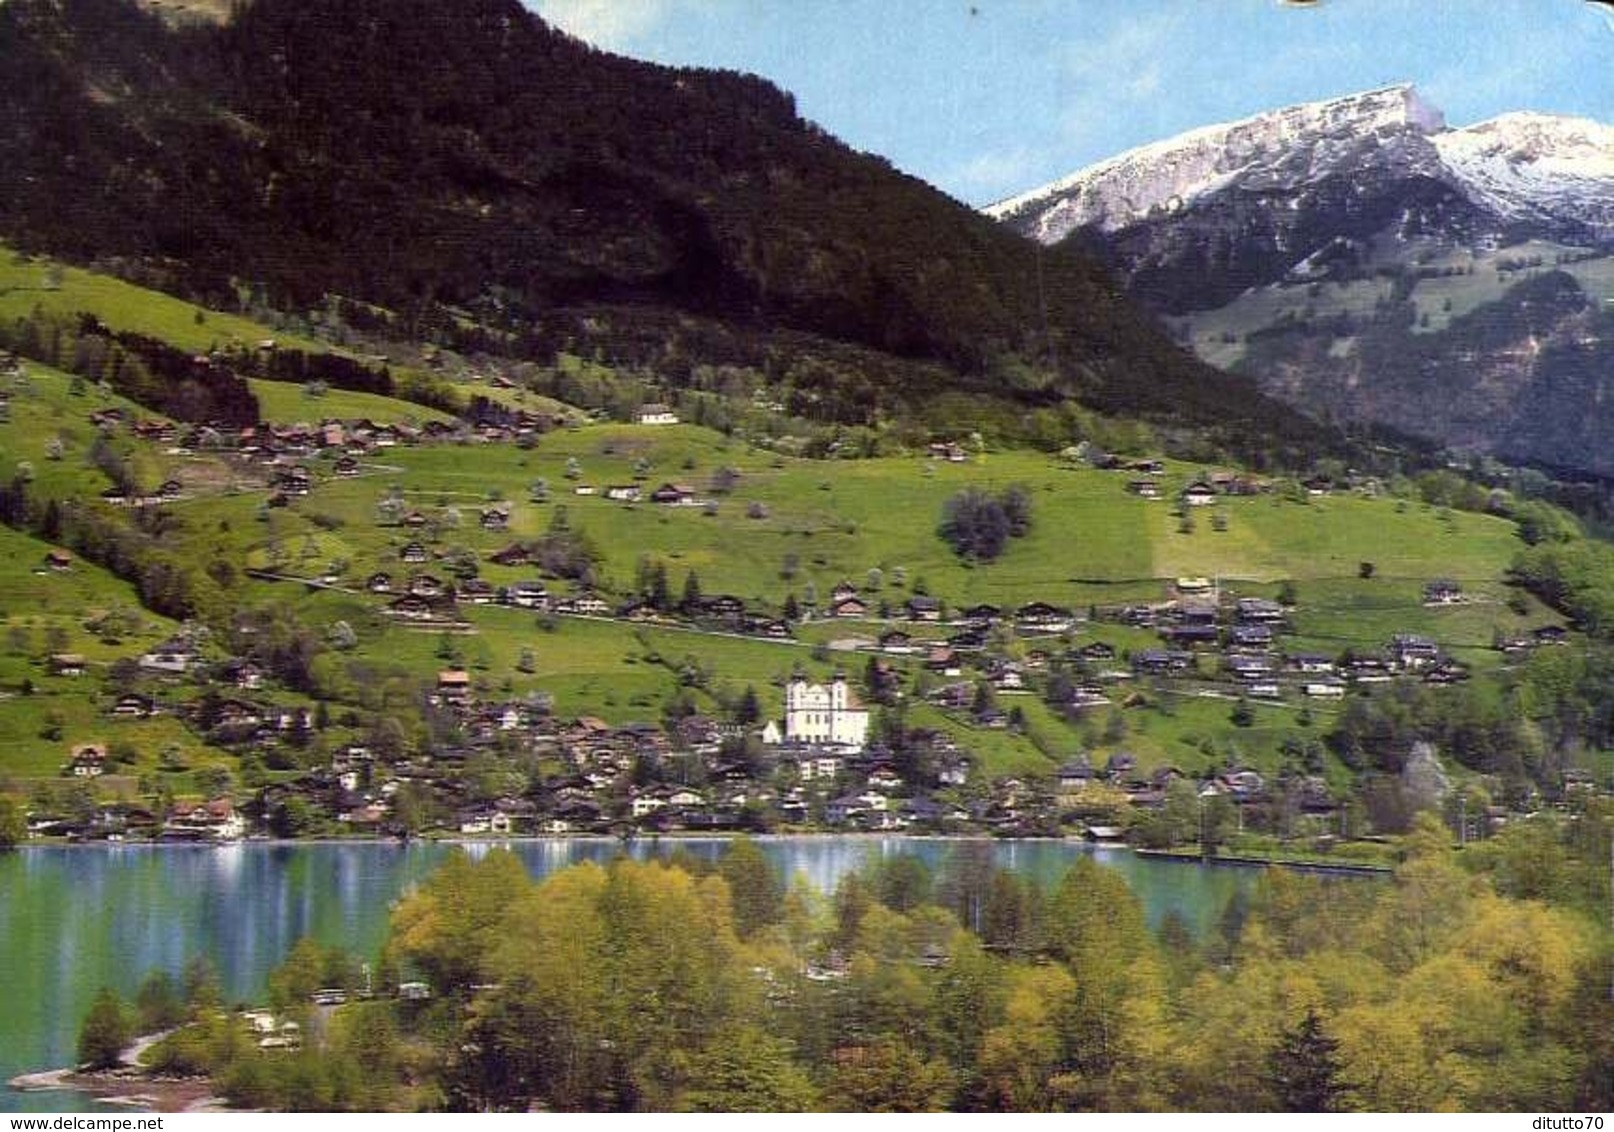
point(492, 183)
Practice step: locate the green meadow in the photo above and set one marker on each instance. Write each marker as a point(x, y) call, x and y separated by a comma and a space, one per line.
point(284, 402)
point(81, 610)
point(768, 525)
point(47, 436)
point(792, 525)
point(27, 284)
point(826, 522)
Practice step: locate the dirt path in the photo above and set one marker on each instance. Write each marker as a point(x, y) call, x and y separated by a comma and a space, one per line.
point(127, 1084)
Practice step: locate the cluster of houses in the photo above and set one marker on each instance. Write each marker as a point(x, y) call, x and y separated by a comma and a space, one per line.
point(1207, 488)
point(210, 821)
point(700, 774)
point(268, 443)
point(815, 767)
point(846, 602)
point(1145, 481)
point(1203, 637)
point(282, 449)
point(425, 598)
point(666, 495)
point(1208, 643)
point(1241, 785)
point(1246, 636)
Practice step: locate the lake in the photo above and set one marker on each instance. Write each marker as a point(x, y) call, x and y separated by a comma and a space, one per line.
point(76, 918)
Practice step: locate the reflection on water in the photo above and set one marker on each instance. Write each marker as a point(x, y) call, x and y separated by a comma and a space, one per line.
point(74, 919)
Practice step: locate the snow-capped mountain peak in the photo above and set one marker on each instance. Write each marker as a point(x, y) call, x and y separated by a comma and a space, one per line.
point(1520, 166)
point(1282, 146)
point(1537, 166)
point(1360, 257)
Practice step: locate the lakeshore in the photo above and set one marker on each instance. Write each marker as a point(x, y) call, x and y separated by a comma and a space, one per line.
point(123, 910)
point(127, 1086)
point(674, 837)
point(1300, 864)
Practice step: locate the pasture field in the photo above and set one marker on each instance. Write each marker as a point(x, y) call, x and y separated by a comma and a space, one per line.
point(28, 283)
point(798, 526)
point(764, 526)
point(47, 435)
point(82, 610)
point(284, 402)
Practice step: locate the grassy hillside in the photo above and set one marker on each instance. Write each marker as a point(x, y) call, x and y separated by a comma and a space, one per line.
point(553, 198)
point(82, 610)
point(827, 522)
point(283, 402)
point(27, 282)
point(767, 526)
point(34, 285)
point(49, 437)
point(1450, 283)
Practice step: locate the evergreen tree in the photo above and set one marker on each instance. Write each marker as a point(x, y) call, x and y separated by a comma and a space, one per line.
point(747, 1070)
point(659, 595)
point(749, 710)
point(1305, 1069)
point(1009, 919)
point(106, 1030)
point(691, 600)
point(160, 1003)
point(203, 991)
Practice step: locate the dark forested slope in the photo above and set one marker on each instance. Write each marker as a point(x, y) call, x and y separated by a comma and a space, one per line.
point(466, 158)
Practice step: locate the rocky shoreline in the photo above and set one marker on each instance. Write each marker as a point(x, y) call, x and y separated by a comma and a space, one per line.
point(129, 1085)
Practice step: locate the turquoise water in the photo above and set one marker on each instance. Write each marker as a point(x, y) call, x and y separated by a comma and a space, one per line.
point(74, 919)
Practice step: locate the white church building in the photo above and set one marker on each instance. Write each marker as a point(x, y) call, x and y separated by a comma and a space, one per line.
point(827, 715)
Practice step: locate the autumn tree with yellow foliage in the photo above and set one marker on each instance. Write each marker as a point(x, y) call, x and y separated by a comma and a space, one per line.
point(1462, 982)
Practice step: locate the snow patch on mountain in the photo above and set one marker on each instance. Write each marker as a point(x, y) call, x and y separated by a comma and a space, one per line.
point(1532, 166)
point(1521, 166)
point(1275, 149)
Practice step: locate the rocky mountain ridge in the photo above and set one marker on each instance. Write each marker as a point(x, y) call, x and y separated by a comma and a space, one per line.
point(1363, 260)
point(1531, 167)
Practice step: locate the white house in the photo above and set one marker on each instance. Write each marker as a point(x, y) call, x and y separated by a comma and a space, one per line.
point(816, 714)
point(169, 660)
point(88, 761)
point(657, 415)
point(821, 767)
point(1199, 494)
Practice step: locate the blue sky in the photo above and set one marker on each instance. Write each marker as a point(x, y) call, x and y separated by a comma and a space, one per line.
point(986, 98)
